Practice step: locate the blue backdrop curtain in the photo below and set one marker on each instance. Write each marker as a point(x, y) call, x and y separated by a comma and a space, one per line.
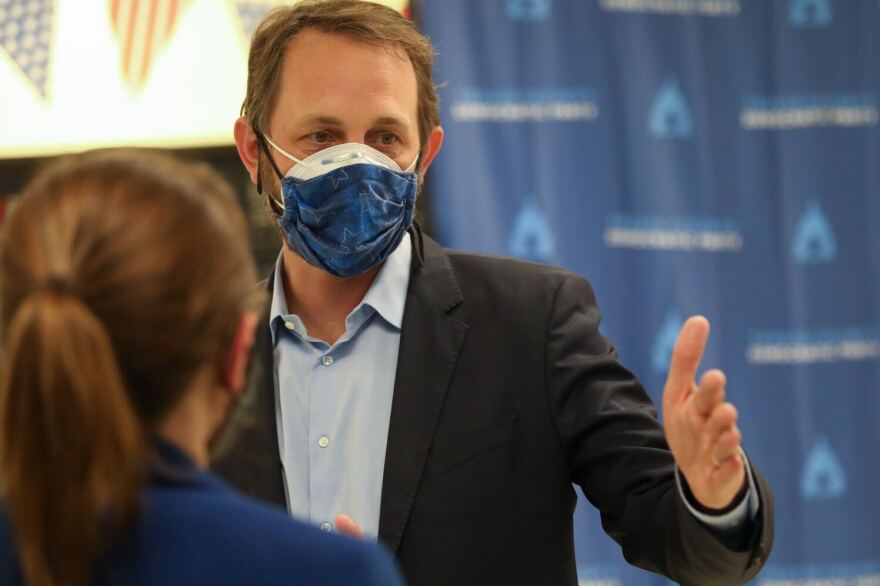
point(695, 156)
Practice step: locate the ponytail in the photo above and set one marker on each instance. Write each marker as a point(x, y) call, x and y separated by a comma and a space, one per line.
point(72, 450)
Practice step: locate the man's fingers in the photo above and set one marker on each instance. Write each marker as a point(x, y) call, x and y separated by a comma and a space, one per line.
point(347, 526)
point(727, 446)
point(731, 468)
point(723, 418)
point(686, 358)
point(710, 393)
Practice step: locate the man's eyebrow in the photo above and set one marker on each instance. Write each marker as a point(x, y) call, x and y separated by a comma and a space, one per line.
point(332, 121)
point(328, 120)
point(390, 121)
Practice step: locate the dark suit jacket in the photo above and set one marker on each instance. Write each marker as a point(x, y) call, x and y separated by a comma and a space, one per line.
point(193, 530)
point(506, 394)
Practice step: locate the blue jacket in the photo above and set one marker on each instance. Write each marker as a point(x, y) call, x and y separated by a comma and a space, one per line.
point(194, 530)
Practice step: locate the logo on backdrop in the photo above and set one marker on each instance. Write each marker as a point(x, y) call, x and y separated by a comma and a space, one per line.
point(794, 111)
point(823, 477)
point(531, 237)
point(514, 104)
point(810, 13)
point(679, 233)
point(814, 241)
point(670, 115)
point(860, 573)
point(842, 344)
point(664, 342)
point(676, 7)
point(528, 9)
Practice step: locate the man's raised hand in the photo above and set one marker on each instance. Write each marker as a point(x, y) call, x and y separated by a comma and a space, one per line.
point(700, 427)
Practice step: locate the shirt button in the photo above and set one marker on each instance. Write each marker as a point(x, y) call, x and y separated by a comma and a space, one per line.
point(290, 325)
point(323, 441)
point(326, 526)
point(327, 360)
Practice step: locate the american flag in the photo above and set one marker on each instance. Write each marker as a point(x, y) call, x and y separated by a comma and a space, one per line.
point(26, 35)
point(142, 29)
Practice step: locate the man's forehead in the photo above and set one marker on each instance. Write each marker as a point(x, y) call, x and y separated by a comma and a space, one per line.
point(325, 76)
point(316, 62)
point(335, 45)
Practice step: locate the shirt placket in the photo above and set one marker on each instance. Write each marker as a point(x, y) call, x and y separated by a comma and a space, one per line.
point(322, 449)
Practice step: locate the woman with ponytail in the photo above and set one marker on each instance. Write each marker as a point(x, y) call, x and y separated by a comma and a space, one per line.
point(128, 313)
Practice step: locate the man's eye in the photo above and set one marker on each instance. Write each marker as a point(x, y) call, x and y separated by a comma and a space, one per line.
point(320, 137)
point(387, 139)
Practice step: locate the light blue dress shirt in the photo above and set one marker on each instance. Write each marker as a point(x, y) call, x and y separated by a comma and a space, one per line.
point(333, 403)
point(333, 406)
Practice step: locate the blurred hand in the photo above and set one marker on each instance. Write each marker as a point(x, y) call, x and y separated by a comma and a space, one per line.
point(347, 526)
point(700, 427)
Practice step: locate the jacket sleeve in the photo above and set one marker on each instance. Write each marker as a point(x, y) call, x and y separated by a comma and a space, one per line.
point(616, 451)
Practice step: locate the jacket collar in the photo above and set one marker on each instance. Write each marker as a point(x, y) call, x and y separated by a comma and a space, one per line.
point(432, 278)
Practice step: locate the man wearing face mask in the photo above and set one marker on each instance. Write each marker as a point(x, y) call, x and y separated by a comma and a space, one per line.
point(444, 402)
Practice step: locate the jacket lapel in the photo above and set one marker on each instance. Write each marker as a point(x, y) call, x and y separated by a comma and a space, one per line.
point(430, 342)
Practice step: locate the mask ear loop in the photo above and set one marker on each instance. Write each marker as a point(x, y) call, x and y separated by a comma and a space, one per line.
point(418, 237)
point(416, 165)
point(277, 207)
point(415, 229)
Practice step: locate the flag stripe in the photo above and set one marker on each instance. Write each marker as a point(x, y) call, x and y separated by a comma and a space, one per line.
point(138, 40)
point(172, 15)
point(142, 27)
point(149, 42)
point(159, 26)
point(127, 25)
point(114, 14)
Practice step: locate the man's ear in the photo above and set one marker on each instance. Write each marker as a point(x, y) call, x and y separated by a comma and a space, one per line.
point(234, 370)
point(432, 147)
point(248, 146)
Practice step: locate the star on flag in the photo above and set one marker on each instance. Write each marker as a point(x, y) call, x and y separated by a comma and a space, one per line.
point(26, 36)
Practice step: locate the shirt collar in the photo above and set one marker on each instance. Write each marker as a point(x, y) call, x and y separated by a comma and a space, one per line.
point(387, 294)
point(278, 307)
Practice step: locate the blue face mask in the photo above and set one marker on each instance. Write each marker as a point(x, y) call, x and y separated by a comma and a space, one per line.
point(346, 208)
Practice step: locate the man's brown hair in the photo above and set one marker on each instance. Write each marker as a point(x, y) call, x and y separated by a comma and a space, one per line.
point(364, 21)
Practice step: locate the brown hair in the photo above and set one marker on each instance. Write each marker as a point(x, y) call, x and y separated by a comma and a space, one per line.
point(123, 273)
point(365, 21)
